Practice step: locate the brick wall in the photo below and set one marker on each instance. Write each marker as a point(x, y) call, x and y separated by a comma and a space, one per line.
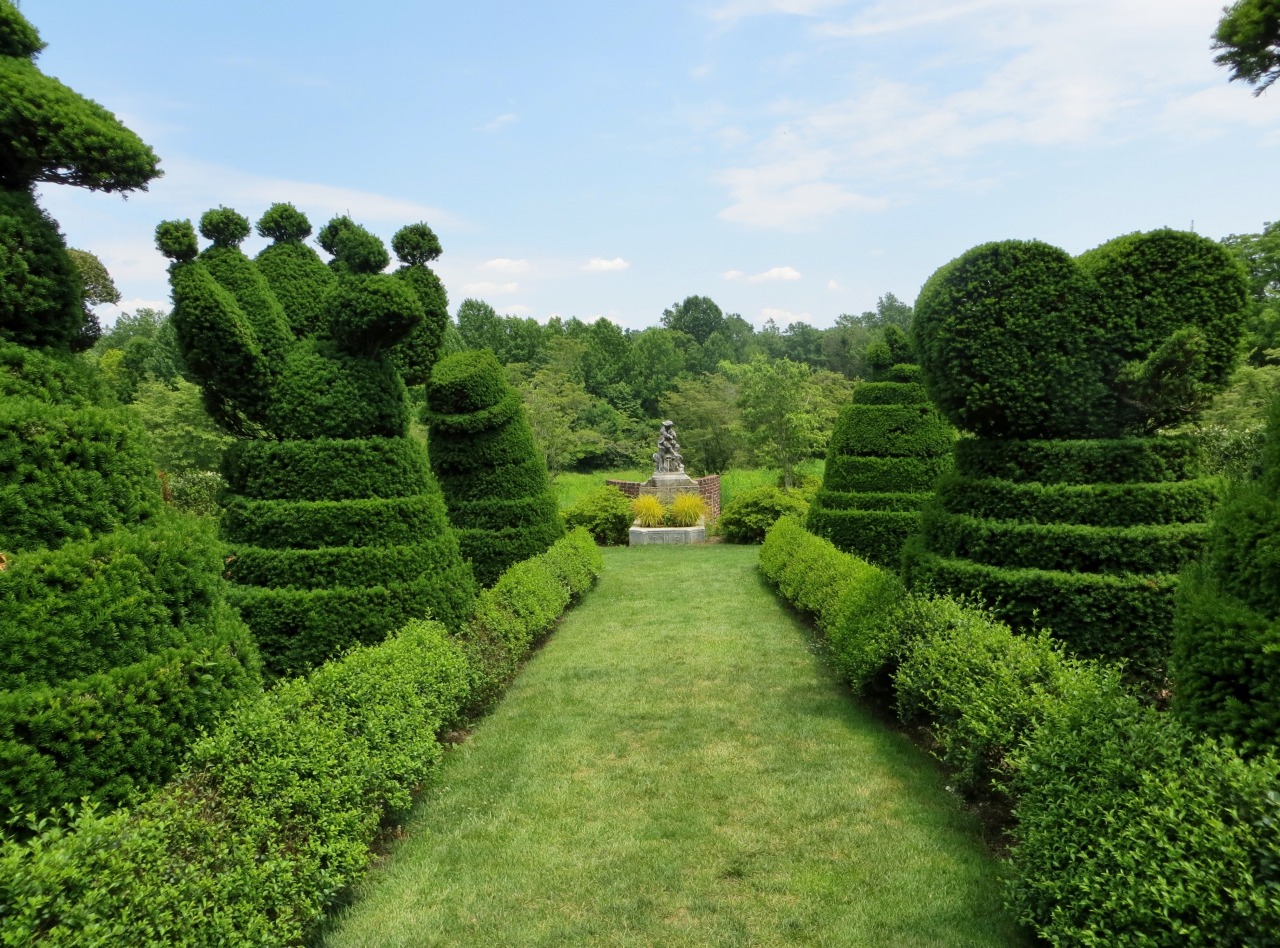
point(708, 488)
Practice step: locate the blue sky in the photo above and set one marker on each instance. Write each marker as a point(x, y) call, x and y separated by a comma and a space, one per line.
point(791, 159)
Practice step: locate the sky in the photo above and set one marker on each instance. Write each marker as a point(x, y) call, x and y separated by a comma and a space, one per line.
point(791, 159)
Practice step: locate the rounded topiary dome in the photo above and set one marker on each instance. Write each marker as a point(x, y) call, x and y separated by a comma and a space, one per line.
point(1007, 337)
point(483, 453)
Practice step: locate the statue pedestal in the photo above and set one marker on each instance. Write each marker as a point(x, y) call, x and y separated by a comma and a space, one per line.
point(666, 486)
point(644, 536)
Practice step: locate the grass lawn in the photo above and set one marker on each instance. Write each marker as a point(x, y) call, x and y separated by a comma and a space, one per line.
point(677, 767)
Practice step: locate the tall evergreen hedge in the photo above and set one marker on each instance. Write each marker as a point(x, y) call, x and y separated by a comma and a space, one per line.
point(336, 529)
point(1226, 658)
point(483, 453)
point(1067, 509)
point(891, 421)
point(117, 646)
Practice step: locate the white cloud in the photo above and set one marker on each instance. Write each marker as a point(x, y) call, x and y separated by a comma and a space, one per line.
point(515, 309)
point(490, 287)
point(782, 317)
point(499, 122)
point(601, 265)
point(700, 72)
point(506, 265)
point(833, 285)
point(768, 276)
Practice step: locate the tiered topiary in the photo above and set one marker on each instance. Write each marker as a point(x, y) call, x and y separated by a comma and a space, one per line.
point(1066, 510)
point(337, 529)
point(493, 476)
point(1226, 657)
point(889, 447)
point(117, 646)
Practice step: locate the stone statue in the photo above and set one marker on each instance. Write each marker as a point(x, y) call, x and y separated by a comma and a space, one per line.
point(668, 459)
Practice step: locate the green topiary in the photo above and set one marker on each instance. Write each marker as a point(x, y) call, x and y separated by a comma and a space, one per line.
point(1226, 657)
point(477, 424)
point(117, 645)
point(1065, 511)
point(883, 421)
point(298, 356)
point(605, 513)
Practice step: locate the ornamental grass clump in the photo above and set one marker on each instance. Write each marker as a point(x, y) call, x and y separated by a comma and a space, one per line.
point(483, 454)
point(648, 511)
point(117, 644)
point(686, 510)
point(888, 448)
point(337, 531)
point(1067, 509)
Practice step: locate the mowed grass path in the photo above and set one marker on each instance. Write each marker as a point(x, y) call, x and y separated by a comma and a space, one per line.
point(677, 767)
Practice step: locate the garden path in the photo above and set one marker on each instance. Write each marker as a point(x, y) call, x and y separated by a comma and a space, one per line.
point(678, 767)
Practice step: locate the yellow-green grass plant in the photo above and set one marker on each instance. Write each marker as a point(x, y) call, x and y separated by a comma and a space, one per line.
point(648, 511)
point(686, 510)
point(678, 767)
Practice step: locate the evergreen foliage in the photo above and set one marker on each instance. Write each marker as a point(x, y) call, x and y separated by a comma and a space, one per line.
point(1065, 511)
point(296, 358)
point(117, 646)
point(884, 420)
point(605, 514)
point(1226, 658)
point(477, 427)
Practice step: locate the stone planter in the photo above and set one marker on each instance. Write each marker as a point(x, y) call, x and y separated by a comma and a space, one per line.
point(643, 536)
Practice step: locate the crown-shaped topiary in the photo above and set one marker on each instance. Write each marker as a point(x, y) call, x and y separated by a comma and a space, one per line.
point(117, 645)
point(1064, 510)
point(1226, 657)
point(483, 453)
point(338, 531)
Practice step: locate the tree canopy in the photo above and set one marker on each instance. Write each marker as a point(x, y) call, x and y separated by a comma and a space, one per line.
point(1248, 36)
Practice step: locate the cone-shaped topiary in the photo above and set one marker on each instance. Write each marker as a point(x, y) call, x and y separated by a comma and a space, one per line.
point(337, 529)
point(888, 447)
point(1064, 510)
point(117, 645)
point(1226, 657)
point(493, 477)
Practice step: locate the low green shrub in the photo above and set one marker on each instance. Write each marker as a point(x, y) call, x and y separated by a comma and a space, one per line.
point(195, 492)
point(984, 689)
point(605, 513)
point(747, 517)
point(1131, 830)
point(271, 820)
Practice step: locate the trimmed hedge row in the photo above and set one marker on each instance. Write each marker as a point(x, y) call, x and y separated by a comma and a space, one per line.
point(1129, 828)
point(273, 818)
point(477, 426)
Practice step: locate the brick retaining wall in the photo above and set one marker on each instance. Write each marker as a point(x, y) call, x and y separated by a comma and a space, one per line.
point(708, 488)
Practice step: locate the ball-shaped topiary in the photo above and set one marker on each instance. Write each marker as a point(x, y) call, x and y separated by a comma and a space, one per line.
point(117, 645)
point(888, 447)
point(1226, 656)
point(296, 356)
point(483, 453)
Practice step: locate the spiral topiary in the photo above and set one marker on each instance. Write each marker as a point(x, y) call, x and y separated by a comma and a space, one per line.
point(117, 645)
point(337, 530)
point(483, 453)
point(1065, 511)
point(888, 447)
